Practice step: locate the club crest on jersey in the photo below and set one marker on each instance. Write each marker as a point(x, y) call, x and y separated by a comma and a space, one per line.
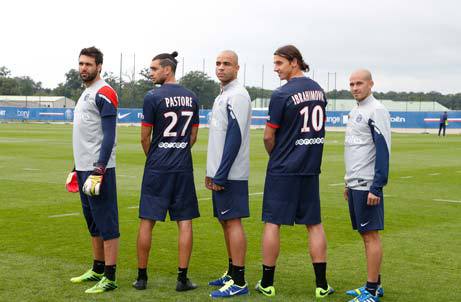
point(87, 97)
point(359, 118)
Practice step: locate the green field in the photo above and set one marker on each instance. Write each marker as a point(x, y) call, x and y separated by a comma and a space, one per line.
point(39, 253)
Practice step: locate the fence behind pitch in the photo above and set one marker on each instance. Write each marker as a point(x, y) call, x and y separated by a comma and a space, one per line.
point(402, 120)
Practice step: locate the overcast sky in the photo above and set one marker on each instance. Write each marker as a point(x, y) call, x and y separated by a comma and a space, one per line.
point(408, 45)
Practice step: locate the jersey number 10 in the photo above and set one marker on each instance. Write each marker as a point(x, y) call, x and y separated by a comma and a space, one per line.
point(174, 120)
point(317, 118)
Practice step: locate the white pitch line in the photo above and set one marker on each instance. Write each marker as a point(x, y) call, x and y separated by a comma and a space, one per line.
point(129, 176)
point(336, 185)
point(433, 174)
point(406, 177)
point(64, 215)
point(448, 200)
point(31, 169)
point(133, 207)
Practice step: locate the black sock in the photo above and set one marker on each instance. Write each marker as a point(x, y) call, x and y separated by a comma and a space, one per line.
point(268, 276)
point(379, 279)
point(229, 267)
point(109, 272)
point(98, 266)
point(320, 270)
point(238, 275)
point(182, 274)
point(372, 287)
point(142, 274)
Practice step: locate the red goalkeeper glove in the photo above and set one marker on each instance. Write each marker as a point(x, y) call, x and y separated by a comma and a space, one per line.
point(71, 182)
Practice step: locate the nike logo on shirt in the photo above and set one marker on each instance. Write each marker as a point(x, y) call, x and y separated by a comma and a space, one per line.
point(364, 224)
point(224, 212)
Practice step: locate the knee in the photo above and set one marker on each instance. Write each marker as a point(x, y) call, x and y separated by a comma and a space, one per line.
point(233, 223)
point(371, 237)
point(185, 225)
point(315, 228)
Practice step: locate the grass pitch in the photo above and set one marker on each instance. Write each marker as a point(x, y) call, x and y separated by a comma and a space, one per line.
point(44, 241)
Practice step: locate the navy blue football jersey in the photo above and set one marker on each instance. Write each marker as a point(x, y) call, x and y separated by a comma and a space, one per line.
point(172, 111)
point(297, 111)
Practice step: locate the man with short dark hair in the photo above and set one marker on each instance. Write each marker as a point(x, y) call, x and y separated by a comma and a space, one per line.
point(168, 131)
point(94, 140)
point(366, 155)
point(228, 169)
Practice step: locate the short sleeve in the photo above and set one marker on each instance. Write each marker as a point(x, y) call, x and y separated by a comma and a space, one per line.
point(276, 109)
point(148, 110)
point(196, 116)
point(107, 101)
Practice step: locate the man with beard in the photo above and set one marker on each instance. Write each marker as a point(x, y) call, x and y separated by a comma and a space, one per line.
point(94, 140)
point(293, 138)
point(168, 132)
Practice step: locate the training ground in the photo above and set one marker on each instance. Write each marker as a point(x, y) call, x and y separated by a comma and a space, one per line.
point(44, 240)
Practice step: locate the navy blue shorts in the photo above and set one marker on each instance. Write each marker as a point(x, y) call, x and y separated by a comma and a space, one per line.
point(232, 202)
point(364, 217)
point(291, 199)
point(101, 212)
point(172, 192)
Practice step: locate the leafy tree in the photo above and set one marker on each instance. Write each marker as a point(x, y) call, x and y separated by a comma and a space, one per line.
point(72, 87)
point(257, 92)
point(4, 72)
point(202, 85)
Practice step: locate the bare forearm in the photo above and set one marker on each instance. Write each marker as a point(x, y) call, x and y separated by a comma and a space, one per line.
point(269, 145)
point(145, 146)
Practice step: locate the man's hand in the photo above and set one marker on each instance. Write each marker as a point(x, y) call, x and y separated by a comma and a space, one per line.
point(346, 193)
point(71, 182)
point(208, 183)
point(212, 186)
point(217, 187)
point(373, 200)
point(92, 185)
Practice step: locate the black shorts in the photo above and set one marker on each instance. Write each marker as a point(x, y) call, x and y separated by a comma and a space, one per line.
point(364, 217)
point(291, 199)
point(232, 202)
point(101, 212)
point(173, 192)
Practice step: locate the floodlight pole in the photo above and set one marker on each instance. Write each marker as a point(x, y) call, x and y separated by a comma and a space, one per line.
point(244, 73)
point(120, 79)
point(182, 73)
point(262, 83)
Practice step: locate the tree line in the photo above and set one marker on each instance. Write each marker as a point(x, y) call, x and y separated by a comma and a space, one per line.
point(131, 92)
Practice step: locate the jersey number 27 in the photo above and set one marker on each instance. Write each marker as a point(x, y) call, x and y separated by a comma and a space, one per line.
point(174, 120)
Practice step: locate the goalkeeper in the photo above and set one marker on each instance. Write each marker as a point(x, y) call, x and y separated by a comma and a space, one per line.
point(94, 140)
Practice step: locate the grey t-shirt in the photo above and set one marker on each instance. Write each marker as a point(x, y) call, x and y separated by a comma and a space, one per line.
point(87, 132)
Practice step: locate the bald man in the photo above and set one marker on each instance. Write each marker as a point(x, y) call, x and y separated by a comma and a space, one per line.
point(228, 168)
point(366, 156)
